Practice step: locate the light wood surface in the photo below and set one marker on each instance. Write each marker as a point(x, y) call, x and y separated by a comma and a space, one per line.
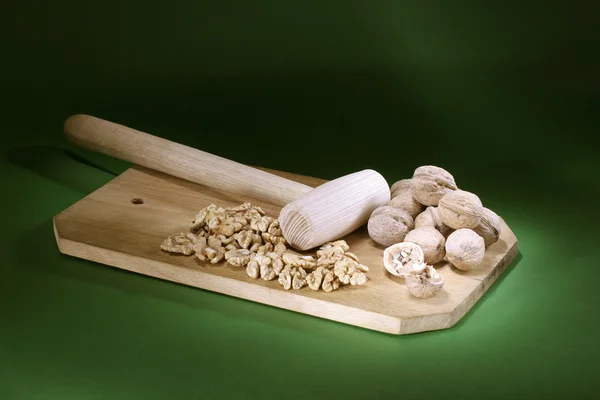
point(334, 209)
point(178, 160)
point(106, 227)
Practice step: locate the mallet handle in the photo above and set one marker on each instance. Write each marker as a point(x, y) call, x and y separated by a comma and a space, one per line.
point(179, 160)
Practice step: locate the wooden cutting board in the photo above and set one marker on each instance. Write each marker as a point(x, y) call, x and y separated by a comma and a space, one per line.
point(123, 223)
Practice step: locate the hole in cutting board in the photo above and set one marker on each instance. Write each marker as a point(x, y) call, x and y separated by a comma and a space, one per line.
point(137, 200)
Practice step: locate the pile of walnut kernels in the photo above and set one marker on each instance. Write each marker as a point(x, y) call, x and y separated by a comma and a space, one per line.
point(244, 236)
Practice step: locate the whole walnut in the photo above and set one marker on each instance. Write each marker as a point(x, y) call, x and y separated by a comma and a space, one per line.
point(388, 225)
point(431, 217)
point(430, 183)
point(403, 199)
point(490, 227)
point(400, 186)
point(431, 241)
point(460, 209)
point(465, 249)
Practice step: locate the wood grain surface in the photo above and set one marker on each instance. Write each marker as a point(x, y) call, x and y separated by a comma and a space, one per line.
point(178, 160)
point(108, 228)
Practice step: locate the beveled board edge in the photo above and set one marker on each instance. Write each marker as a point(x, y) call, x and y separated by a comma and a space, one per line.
point(448, 320)
point(230, 287)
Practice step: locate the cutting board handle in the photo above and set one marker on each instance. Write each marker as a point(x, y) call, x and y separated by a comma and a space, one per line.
point(179, 160)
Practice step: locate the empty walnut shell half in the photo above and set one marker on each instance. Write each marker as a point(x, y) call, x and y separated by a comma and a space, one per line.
point(388, 225)
point(426, 284)
point(400, 258)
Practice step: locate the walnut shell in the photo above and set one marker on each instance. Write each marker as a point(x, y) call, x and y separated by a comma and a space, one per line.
point(388, 225)
point(465, 249)
point(400, 258)
point(490, 227)
point(425, 285)
point(460, 209)
point(430, 241)
point(431, 217)
point(400, 186)
point(430, 183)
point(403, 199)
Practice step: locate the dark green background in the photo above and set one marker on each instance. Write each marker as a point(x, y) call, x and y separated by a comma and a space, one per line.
point(505, 96)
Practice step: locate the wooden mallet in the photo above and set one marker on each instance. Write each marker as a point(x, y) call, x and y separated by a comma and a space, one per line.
point(310, 216)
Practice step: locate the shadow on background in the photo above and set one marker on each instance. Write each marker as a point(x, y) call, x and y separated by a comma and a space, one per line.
point(488, 293)
point(62, 166)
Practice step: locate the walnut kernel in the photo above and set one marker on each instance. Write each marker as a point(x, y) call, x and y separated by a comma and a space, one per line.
point(315, 278)
point(330, 282)
point(238, 257)
point(348, 273)
point(298, 261)
point(179, 243)
point(245, 237)
point(271, 270)
point(292, 277)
